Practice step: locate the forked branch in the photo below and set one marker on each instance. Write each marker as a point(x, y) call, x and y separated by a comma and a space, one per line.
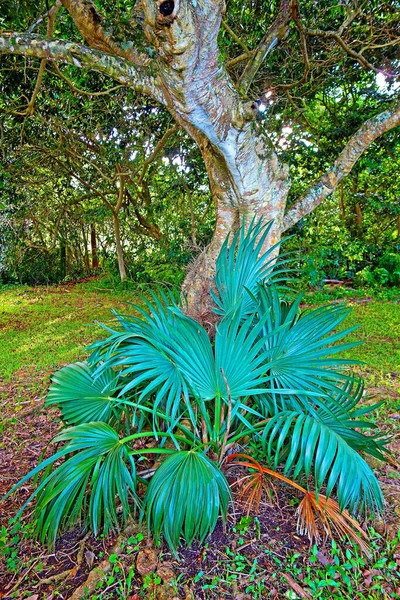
point(90, 24)
point(275, 33)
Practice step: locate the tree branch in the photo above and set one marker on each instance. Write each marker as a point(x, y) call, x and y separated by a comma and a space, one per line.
point(121, 190)
point(52, 13)
point(89, 23)
point(57, 72)
point(275, 33)
point(304, 51)
point(340, 41)
point(85, 58)
point(236, 38)
point(145, 226)
point(77, 177)
point(159, 146)
point(356, 146)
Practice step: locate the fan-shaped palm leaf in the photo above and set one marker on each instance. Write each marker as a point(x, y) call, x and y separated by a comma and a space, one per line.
point(185, 497)
point(301, 353)
point(162, 364)
point(83, 398)
point(241, 266)
point(174, 366)
point(86, 485)
point(307, 445)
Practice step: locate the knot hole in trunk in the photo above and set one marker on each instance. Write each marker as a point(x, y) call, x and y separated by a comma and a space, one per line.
point(167, 8)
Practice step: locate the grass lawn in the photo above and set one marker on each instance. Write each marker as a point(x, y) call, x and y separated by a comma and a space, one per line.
point(45, 327)
point(42, 329)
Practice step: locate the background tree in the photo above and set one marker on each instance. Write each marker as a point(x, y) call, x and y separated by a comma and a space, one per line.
point(117, 178)
point(208, 63)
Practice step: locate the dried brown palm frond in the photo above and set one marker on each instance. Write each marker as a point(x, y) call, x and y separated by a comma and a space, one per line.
point(325, 513)
point(317, 516)
point(252, 489)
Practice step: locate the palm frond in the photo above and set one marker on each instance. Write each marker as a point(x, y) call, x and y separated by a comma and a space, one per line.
point(318, 517)
point(301, 355)
point(241, 266)
point(306, 445)
point(85, 487)
point(317, 514)
point(81, 397)
point(185, 497)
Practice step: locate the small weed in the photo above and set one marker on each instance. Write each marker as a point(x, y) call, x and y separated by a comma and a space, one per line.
point(133, 543)
point(349, 574)
point(150, 583)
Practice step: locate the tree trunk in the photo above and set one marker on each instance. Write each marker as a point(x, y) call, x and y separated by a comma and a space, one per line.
point(246, 179)
point(85, 249)
point(93, 243)
point(341, 203)
point(118, 245)
point(63, 259)
point(359, 215)
point(251, 184)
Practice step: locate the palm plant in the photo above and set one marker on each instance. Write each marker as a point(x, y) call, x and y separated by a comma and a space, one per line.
point(158, 385)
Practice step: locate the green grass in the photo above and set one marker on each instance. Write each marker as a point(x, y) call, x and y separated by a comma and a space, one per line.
point(377, 313)
point(379, 327)
point(44, 327)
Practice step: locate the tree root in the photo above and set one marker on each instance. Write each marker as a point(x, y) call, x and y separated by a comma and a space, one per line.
point(98, 573)
point(69, 572)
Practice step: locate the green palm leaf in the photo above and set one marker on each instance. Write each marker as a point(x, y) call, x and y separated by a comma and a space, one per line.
point(163, 365)
point(301, 354)
point(86, 485)
point(307, 446)
point(185, 497)
point(83, 398)
point(240, 267)
point(173, 366)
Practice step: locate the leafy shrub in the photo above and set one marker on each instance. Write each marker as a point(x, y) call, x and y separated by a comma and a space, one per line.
point(390, 261)
point(387, 272)
point(30, 266)
point(159, 385)
point(364, 278)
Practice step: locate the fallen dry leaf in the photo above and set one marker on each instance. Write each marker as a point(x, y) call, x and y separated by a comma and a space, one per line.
point(146, 562)
point(296, 587)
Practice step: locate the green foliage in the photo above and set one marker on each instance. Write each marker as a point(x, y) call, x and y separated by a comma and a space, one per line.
point(86, 131)
point(334, 245)
point(390, 262)
point(82, 398)
point(30, 266)
point(160, 377)
point(348, 575)
point(328, 448)
point(387, 272)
